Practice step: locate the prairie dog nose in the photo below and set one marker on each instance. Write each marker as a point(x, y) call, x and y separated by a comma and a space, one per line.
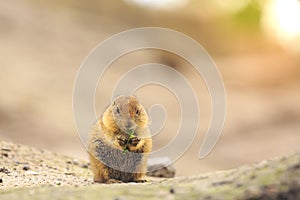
point(129, 125)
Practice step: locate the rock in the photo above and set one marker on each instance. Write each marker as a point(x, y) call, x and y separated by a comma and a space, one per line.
point(25, 168)
point(160, 167)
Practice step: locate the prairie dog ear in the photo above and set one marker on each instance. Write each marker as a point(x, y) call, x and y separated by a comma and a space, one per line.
point(133, 97)
point(116, 100)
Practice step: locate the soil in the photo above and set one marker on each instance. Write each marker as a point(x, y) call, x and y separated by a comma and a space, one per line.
point(23, 166)
point(30, 173)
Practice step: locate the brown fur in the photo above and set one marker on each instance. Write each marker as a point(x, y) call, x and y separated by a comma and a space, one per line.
point(108, 140)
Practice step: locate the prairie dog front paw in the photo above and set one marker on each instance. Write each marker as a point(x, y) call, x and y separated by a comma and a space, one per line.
point(134, 141)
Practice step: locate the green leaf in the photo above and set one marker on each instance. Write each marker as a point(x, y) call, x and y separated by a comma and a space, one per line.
point(130, 132)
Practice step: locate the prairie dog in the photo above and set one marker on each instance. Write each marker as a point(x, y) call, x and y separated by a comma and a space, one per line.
point(119, 142)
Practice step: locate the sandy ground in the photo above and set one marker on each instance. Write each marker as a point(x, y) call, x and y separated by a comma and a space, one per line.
point(30, 173)
point(28, 167)
point(22, 166)
point(41, 53)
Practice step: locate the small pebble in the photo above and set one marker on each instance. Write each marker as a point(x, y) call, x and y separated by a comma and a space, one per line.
point(70, 173)
point(85, 166)
point(25, 168)
point(4, 170)
point(252, 176)
point(5, 149)
point(75, 162)
point(172, 191)
point(31, 173)
point(5, 154)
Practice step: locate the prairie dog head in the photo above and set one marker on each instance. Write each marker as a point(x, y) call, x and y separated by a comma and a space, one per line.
point(129, 114)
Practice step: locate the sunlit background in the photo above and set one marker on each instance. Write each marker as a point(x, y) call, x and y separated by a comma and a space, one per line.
point(254, 43)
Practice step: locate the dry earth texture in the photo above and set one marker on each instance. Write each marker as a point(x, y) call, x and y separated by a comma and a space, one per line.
point(29, 173)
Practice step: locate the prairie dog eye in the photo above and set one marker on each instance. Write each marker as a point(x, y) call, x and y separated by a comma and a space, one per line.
point(118, 110)
point(137, 112)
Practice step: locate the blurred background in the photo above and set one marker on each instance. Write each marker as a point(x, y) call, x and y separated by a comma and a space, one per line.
point(254, 43)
